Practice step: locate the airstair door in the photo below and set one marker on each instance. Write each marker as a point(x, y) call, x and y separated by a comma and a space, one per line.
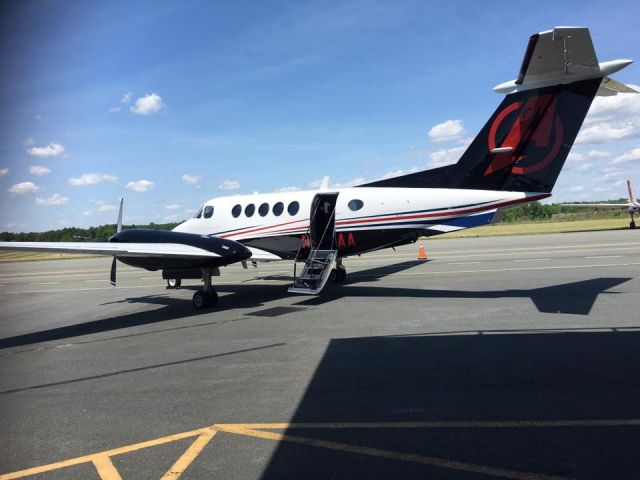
point(323, 251)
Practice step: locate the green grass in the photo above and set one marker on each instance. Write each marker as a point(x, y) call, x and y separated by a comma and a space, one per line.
point(540, 227)
point(31, 256)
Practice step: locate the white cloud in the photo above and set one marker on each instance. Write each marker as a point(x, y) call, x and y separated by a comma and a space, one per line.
point(449, 130)
point(54, 199)
point(575, 156)
point(86, 213)
point(115, 109)
point(29, 142)
point(91, 179)
point(585, 166)
point(447, 156)
point(173, 206)
point(598, 154)
point(4, 172)
point(229, 185)
point(148, 105)
point(629, 156)
point(107, 208)
point(140, 185)
point(289, 189)
point(38, 170)
point(23, 188)
point(190, 179)
point(126, 98)
point(604, 132)
point(576, 189)
point(51, 150)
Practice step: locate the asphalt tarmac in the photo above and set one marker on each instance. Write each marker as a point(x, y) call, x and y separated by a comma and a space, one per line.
point(504, 357)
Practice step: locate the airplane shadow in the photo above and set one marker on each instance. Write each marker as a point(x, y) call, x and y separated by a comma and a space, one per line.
point(575, 298)
point(552, 405)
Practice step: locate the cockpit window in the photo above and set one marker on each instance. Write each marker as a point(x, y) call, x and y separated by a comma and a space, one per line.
point(199, 214)
point(355, 204)
point(236, 211)
point(208, 211)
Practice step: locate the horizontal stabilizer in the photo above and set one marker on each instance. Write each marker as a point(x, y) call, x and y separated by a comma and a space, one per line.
point(609, 87)
point(562, 56)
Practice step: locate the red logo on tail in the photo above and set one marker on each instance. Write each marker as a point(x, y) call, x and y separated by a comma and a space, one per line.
point(536, 125)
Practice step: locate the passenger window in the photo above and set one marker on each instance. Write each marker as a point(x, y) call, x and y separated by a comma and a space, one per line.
point(355, 204)
point(264, 209)
point(278, 208)
point(237, 210)
point(293, 208)
point(249, 210)
point(199, 214)
point(208, 211)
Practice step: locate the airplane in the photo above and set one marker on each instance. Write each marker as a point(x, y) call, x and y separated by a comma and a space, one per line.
point(632, 207)
point(516, 158)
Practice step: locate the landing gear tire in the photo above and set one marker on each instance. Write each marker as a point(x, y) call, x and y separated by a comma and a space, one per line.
point(632, 224)
point(338, 275)
point(202, 299)
point(174, 283)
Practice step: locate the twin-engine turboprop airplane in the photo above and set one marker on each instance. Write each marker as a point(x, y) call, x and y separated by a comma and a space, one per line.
point(632, 207)
point(516, 158)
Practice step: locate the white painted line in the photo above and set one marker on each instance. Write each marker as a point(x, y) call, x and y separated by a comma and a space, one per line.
point(606, 256)
point(461, 263)
point(45, 283)
point(531, 260)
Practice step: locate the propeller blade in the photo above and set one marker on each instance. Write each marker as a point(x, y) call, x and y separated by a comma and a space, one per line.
point(113, 272)
point(119, 226)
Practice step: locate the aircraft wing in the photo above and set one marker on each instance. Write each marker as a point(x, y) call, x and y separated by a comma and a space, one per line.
point(597, 205)
point(120, 249)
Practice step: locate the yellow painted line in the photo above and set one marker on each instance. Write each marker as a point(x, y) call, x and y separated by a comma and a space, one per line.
point(631, 422)
point(391, 455)
point(105, 468)
point(189, 455)
point(109, 453)
point(102, 460)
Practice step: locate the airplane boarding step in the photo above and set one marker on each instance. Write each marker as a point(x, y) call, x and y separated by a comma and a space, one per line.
point(315, 273)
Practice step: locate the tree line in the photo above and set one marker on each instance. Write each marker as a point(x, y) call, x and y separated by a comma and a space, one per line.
point(73, 234)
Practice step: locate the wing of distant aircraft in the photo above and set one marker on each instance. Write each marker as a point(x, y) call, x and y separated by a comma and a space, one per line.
point(632, 207)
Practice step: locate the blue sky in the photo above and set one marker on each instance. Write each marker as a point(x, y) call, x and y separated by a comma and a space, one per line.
point(172, 103)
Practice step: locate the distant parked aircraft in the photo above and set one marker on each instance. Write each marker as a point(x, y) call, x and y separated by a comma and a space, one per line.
point(632, 207)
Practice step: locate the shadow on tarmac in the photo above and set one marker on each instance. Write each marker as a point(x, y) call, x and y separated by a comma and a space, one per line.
point(498, 378)
point(571, 298)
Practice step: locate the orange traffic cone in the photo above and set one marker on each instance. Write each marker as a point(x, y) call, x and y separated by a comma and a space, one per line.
point(421, 253)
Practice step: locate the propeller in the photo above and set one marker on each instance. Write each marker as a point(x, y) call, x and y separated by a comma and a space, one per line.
point(112, 276)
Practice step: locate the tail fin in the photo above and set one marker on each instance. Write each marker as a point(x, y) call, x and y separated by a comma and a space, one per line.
point(526, 141)
point(632, 198)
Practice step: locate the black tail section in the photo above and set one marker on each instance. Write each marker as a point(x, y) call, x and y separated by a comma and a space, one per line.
point(521, 148)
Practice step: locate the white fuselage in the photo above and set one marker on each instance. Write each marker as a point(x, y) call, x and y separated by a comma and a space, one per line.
point(364, 209)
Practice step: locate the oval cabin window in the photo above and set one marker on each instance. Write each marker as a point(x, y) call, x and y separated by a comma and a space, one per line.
point(293, 208)
point(278, 208)
point(264, 209)
point(237, 210)
point(355, 204)
point(249, 210)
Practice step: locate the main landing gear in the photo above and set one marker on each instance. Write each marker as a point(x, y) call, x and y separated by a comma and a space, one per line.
point(207, 297)
point(173, 283)
point(339, 273)
point(632, 223)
